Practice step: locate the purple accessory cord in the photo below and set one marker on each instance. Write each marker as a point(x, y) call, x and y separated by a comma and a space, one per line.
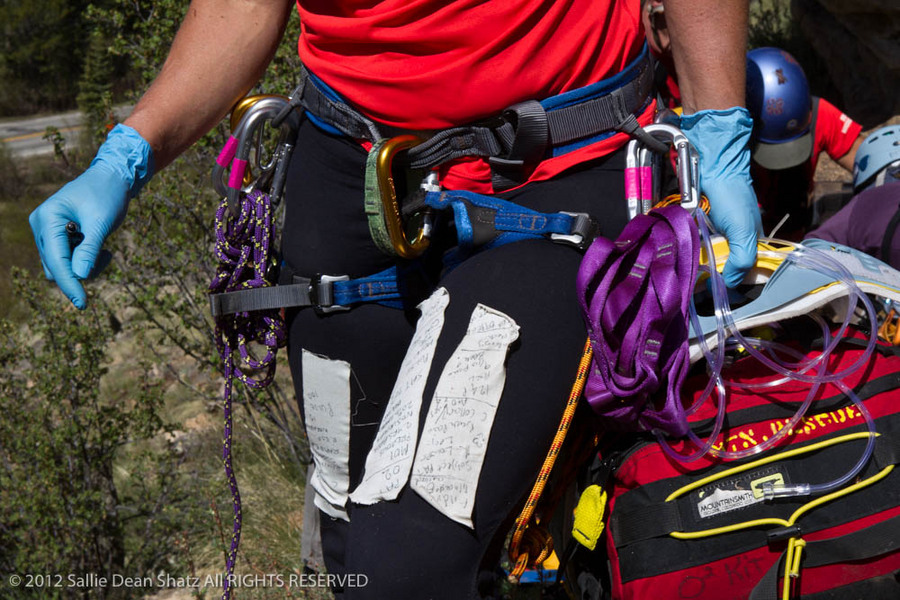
point(243, 251)
point(635, 295)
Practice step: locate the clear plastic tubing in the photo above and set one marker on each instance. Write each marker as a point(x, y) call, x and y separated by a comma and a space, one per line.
point(727, 334)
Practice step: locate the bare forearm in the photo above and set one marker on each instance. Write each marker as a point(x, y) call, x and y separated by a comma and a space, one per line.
point(220, 51)
point(709, 45)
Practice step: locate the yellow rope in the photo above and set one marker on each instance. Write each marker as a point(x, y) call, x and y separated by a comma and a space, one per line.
point(540, 546)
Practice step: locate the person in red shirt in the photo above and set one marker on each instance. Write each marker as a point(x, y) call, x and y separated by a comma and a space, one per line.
point(653, 16)
point(428, 431)
point(792, 130)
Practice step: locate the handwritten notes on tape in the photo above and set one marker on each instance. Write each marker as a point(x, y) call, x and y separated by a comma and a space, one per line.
point(326, 405)
point(390, 459)
point(452, 446)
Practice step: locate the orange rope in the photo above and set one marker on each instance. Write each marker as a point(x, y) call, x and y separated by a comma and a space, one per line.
point(676, 199)
point(540, 546)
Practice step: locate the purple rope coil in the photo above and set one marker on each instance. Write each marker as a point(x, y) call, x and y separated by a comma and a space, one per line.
point(245, 258)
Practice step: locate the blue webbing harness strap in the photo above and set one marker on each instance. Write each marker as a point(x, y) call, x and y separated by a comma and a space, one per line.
point(484, 222)
point(324, 293)
point(481, 222)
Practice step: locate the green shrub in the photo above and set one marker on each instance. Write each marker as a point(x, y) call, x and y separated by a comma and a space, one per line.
point(63, 509)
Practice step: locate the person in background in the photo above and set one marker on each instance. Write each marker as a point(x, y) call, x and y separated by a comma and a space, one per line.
point(869, 222)
point(653, 16)
point(425, 67)
point(792, 129)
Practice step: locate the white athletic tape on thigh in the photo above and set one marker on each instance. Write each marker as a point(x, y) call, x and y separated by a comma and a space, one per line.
point(452, 446)
point(326, 406)
point(391, 457)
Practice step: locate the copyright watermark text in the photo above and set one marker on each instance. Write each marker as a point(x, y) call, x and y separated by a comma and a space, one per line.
point(166, 581)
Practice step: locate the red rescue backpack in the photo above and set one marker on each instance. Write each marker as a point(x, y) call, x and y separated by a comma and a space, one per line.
point(702, 530)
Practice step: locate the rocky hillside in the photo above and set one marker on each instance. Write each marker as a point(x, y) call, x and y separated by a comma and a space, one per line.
point(859, 42)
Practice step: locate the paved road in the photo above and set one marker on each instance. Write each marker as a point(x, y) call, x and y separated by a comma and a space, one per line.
point(25, 137)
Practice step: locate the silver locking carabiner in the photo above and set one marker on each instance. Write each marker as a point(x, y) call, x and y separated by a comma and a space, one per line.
point(246, 144)
point(642, 167)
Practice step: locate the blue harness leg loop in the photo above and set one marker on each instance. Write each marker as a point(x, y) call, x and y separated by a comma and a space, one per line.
point(481, 222)
point(487, 221)
point(324, 293)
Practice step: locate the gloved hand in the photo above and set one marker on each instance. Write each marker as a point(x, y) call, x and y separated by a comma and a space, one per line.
point(96, 202)
point(722, 138)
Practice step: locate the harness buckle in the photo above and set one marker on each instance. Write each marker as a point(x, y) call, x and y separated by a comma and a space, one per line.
point(525, 128)
point(582, 233)
point(396, 230)
point(321, 293)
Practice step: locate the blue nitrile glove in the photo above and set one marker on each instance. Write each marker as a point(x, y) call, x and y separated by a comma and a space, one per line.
point(96, 202)
point(722, 138)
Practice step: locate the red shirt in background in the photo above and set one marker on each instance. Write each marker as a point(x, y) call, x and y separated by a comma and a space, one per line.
point(430, 64)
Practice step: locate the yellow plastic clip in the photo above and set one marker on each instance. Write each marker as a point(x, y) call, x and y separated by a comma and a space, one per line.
point(396, 230)
point(588, 523)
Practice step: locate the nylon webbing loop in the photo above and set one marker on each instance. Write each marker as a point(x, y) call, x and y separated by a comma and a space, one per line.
point(490, 221)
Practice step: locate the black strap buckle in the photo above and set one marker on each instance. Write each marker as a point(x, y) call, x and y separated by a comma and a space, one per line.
point(583, 231)
point(321, 293)
point(529, 126)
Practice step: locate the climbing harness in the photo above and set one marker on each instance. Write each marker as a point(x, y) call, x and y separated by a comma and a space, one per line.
point(513, 141)
point(480, 222)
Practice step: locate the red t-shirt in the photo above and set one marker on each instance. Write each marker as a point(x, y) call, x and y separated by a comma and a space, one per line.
point(433, 64)
point(835, 133)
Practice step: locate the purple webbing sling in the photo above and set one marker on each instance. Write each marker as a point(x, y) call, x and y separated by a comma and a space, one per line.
point(635, 294)
point(243, 252)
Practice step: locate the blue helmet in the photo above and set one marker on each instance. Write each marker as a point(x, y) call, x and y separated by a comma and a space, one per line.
point(778, 99)
point(879, 150)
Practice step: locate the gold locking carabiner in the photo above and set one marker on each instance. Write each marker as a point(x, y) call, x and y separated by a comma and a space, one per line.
point(384, 160)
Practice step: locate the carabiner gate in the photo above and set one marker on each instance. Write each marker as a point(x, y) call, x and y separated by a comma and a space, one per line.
point(248, 117)
point(384, 160)
point(642, 189)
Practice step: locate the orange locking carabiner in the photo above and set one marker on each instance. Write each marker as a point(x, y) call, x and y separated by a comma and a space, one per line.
point(394, 222)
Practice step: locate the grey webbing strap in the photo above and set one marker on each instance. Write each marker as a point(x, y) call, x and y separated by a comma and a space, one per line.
point(267, 298)
point(338, 114)
point(498, 137)
point(317, 292)
point(460, 142)
point(864, 544)
point(601, 114)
